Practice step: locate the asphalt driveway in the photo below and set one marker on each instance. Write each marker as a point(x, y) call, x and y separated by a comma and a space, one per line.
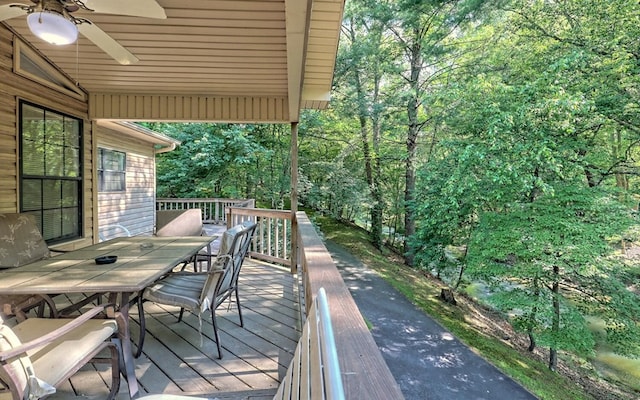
point(426, 360)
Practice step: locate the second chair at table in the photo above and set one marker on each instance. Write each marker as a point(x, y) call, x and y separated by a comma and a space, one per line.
point(199, 291)
point(187, 222)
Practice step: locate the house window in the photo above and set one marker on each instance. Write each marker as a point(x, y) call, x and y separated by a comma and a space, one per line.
point(51, 171)
point(111, 170)
point(28, 63)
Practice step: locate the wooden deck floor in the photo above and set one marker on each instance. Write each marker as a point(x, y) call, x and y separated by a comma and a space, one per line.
point(177, 359)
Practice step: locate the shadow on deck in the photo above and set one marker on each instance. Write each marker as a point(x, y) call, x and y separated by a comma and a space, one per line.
point(180, 358)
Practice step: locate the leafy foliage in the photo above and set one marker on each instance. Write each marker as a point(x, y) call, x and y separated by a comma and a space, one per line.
point(225, 160)
point(565, 238)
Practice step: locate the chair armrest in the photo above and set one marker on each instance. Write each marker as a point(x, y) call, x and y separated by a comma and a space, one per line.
point(53, 335)
point(216, 265)
point(187, 273)
point(21, 307)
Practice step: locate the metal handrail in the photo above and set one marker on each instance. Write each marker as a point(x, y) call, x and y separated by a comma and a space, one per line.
point(331, 365)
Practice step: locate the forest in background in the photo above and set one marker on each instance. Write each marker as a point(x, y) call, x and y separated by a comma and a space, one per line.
point(493, 144)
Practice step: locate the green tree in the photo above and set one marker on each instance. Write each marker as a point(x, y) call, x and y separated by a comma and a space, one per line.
point(421, 30)
point(540, 137)
point(213, 160)
point(551, 262)
point(330, 175)
point(361, 64)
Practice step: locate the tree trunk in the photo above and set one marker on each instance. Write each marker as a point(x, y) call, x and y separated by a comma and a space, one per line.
point(553, 359)
point(412, 144)
point(371, 160)
point(555, 324)
point(462, 267)
point(532, 342)
point(621, 179)
point(377, 210)
point(532, 315)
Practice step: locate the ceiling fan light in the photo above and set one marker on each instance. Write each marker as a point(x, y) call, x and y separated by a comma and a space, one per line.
point(52, 27)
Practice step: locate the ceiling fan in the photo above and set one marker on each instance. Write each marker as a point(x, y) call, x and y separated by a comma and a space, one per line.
point(54, 22)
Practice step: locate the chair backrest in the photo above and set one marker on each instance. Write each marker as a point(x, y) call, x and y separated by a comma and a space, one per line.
point(179, 222)
point(237, 252)
point(18, 373)
point(110, 231)
point(16, 370)
point(229, 235)
point(20, 240)
point(230, 262)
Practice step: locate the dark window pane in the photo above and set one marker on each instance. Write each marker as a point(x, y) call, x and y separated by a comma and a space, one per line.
point(54, 160)
point(32, 123)
point(32, 158)
point(53, 194)
point(111, 171)
point(51, 224)
point(51, 171)
point(54, 131)
point(100, 158)
point(71, 162)
point(31, 194)
point(72, 133)
point(69, 193)
point(70, 221)
point(113, 181)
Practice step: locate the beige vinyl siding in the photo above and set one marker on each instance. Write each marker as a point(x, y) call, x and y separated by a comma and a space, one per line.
point(8, 127)
point(135, 207)
point(13, 88)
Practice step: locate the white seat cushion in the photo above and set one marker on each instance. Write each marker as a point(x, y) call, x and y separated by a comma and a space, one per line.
point(75, 345)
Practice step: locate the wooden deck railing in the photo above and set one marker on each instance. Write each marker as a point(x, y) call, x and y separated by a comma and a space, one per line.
point(213, 210)
point(365, 374)
point(272, 239)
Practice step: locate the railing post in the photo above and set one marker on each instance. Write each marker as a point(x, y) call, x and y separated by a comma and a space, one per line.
point(294, 197)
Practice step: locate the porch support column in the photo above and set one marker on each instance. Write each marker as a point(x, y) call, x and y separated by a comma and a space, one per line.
point(294, 197)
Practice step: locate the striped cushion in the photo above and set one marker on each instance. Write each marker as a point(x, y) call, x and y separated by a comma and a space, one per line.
point(182, 290)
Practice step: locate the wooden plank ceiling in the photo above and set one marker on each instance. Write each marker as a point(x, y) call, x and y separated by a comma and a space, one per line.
point(280, 51)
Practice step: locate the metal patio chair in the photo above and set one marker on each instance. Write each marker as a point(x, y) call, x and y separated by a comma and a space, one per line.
point(39, 354)
point(199, 291)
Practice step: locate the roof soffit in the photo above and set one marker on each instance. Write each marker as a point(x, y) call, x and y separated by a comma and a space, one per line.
point(216, 49)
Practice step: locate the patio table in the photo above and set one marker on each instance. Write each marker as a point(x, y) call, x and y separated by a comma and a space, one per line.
point(141, 261)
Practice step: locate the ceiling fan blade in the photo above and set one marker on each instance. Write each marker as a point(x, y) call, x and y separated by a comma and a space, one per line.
point(107, 43)
point(7, 11)
point(136, 8)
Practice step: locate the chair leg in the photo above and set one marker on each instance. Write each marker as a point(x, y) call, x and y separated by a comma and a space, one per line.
point(239, 309)
point(115, 371)
point(40, 312)
point(215, 331)
point(143, 326)
point(181, 314)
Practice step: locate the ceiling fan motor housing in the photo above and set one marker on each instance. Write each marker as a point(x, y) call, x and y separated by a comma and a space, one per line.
point(51, 22)
point(54, 21)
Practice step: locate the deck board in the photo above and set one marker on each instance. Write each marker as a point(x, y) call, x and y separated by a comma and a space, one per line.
point(177, 359)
